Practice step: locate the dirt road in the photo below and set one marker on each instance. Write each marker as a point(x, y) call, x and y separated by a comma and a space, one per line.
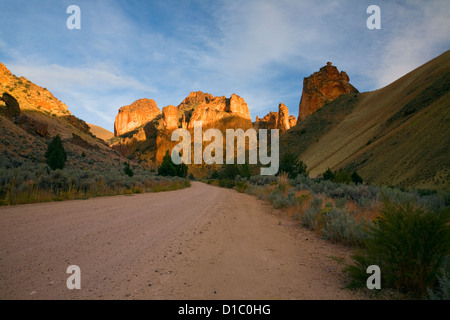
point(203, 242)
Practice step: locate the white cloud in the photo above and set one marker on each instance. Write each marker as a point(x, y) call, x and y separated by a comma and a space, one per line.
point(422, 30)
point(62, 78)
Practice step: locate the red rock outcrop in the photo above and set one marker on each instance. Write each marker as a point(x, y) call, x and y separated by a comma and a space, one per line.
point(11, 105)
point(30, 96)
point(322, 87)
point(170, 115)
point(238, 106)
point(292, 121)
point(199, 106)
point(276, 120)
point(135, 115)
point(283, 118)
point(215, 112)
point(270, 121)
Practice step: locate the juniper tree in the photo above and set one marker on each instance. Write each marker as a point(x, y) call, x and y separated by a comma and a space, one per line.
point(56, 155)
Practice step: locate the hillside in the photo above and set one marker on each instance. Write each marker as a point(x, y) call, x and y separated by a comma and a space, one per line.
point(397, 135)
point(100, 132)
point(37, 117)
point(30, 117)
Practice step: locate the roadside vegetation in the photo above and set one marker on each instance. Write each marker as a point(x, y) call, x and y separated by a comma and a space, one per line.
point(56, 179)
point(405, 232)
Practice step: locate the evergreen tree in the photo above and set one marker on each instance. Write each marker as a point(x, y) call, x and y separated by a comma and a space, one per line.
point(56, 155)
point(168, 168)
point(356, 178)
point(128, 171)
point(328, 175)
point(292, 166)
point(245, 171)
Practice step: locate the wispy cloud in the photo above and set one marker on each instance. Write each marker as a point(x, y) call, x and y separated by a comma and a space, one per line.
point(98, 78)
point(420, 31)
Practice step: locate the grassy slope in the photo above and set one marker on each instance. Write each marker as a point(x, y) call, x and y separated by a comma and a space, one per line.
point(397, 135)
point(100, 132)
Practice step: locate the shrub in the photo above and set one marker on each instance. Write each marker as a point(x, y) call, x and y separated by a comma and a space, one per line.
point(316, 203)
point(409, 244)
point(242, 186)
point(292, 166)
point(340, 202)
point(60, 181)
point(56, 155)
point(342, 177)
point(214, 175)
point(277, 198)
point(310, 218)
point(442, 289)
point(262, 180)
point(340, 226)
point(283, 182)
point(227, 183)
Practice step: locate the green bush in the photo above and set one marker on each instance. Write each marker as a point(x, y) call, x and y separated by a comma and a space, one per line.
point(279, 200)
point(232, 171)
point(342, 177)
point(242, 186)
point(409, 244)
point(340, 226)
point(340, 202)
point(227, 183)
point(310, 218)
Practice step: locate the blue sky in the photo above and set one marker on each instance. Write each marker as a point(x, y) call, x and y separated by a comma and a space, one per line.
point(258, 49)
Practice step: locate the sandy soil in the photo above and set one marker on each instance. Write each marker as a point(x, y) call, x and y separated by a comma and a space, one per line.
point(203, 242)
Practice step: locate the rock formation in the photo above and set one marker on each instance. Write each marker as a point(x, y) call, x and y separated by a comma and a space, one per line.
point(238, 106)
point(135, 115)
point(215, 112)
point(322, 87)
point(283, 118)
point(11, 104)
point(32, 125)
point(29, 95)
point(199, 106)
point(170, 115)
point(292, 121)
point(276, 120)
point(183, 122)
